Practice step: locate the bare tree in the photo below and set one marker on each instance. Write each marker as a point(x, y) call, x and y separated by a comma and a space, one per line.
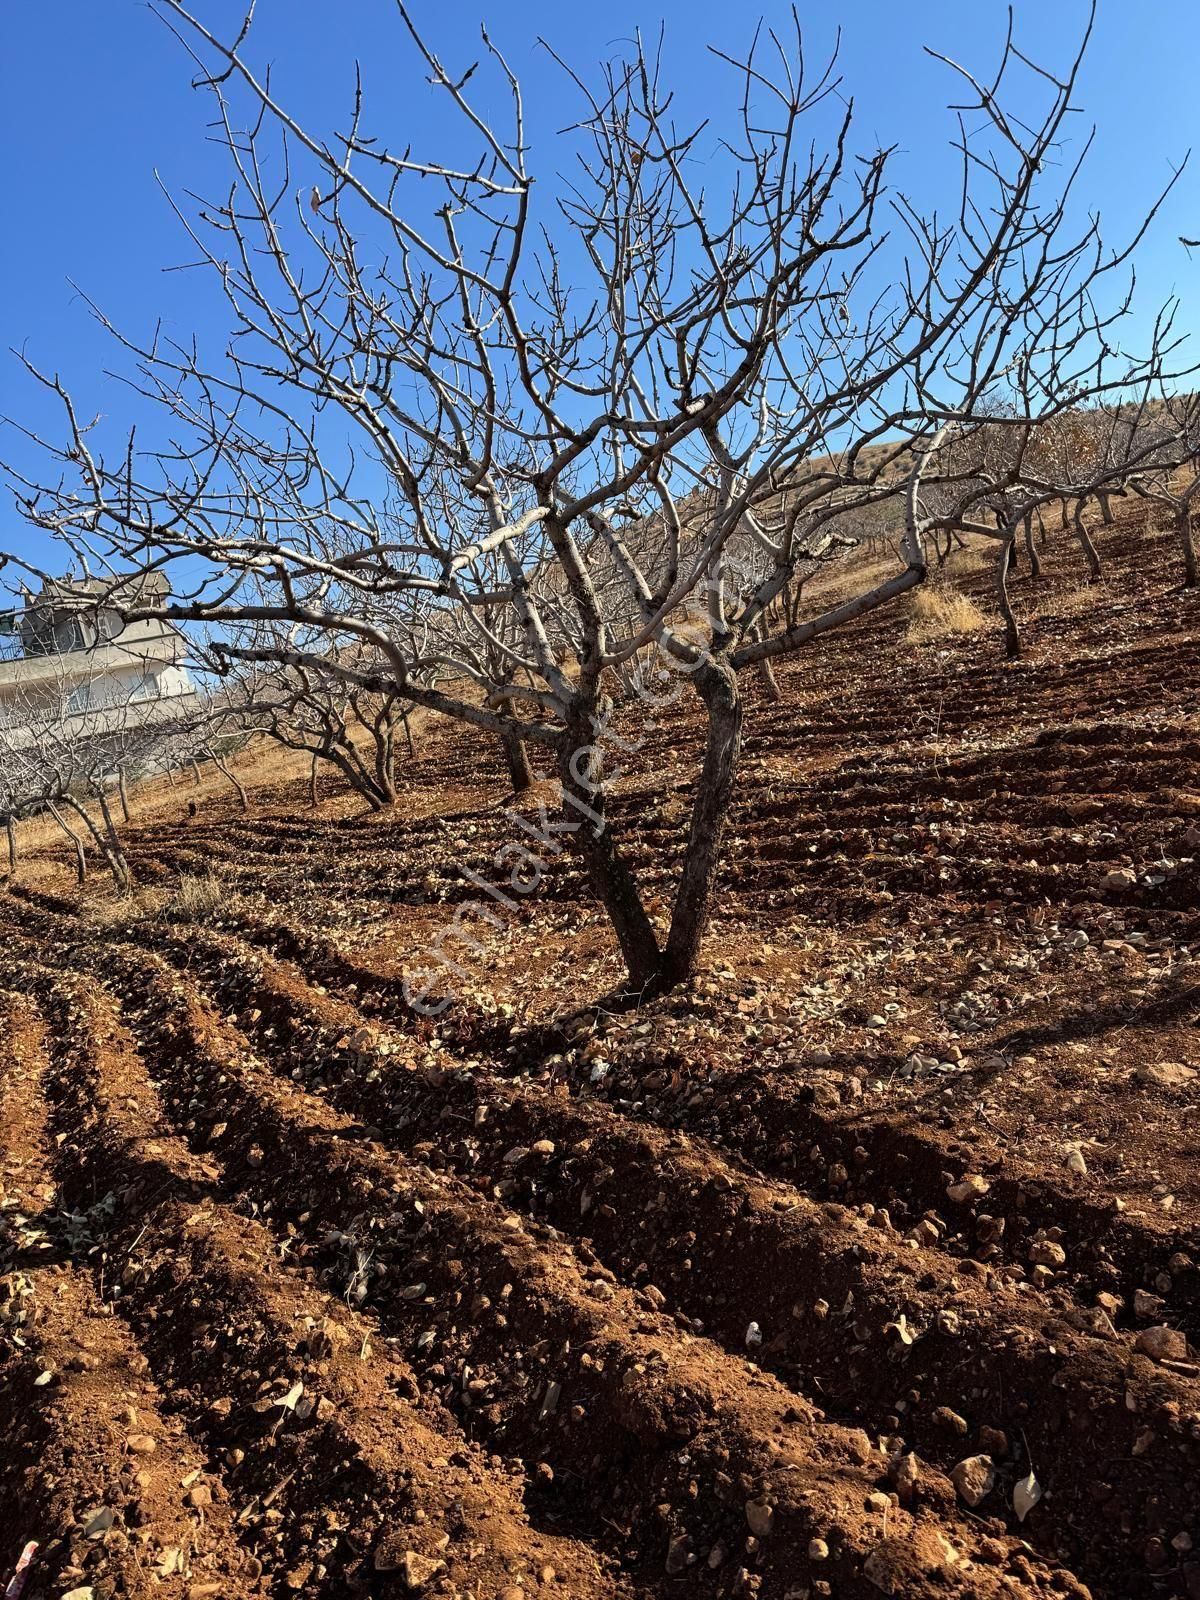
point(64, 739)
point(307, 705)
point(583, 394)
point(1170, 476)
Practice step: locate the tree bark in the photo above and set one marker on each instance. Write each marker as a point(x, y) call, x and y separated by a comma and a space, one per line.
point(766, 673)
point(80, 857)
point(412, 751)
point(1089, 549)
point(123, 791)
point(717, 685)
point(118, 861)
point(1035, 565)
point(1012, 636)
point(227, 772)
point(1105, 508)
point(10, 828)
point(312, 782)
point(516, 759)
point(196, 772)
point(1188, 540)
point(592, 839)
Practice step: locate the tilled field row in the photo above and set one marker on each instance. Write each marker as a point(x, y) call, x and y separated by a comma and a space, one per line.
point(685, 1447)
point(901, 1343)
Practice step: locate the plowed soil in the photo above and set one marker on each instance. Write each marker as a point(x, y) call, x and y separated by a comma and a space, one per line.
point(868, 1265)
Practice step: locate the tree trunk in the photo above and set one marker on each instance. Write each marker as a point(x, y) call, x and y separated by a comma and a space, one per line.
point(312, 782)
point(1035, 565)
point(222, 768)
point(1089, 549)
point(1012, 637)
point(766, 672)
point(592, 839)
point(171, 775)
point(1105, 508)
point(123, 791)
point(717, 685)
point(196, 772)
point(10, 828)
point(116, 856)
point(1065, 507)
point(516, 759)
point(80, 857)
point(1188, 540)
point(408, 736)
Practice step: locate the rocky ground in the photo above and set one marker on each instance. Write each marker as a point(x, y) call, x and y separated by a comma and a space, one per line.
point(869, 1265)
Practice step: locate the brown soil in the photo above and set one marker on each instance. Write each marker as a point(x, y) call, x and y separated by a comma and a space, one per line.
point(305, 1294)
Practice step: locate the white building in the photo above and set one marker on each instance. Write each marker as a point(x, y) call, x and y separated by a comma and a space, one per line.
point(73, 644)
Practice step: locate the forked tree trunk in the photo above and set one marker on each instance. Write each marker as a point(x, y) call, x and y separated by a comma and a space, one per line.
point(114, 855)
point(1187, 538)
point(123, 791)
point(228, 773)
point(1012, 636)
point(592, 839)
point(1105, 508)
point(717, 685)
point(76, 841)
point(1089, 549)
point(1035, 565)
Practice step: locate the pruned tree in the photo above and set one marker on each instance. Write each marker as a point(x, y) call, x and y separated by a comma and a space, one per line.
point(582, 394)
point(1169, 475)
point(64, 739)
point(306, 705)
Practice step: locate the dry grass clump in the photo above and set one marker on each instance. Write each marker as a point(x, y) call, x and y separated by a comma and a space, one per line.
point(123, 910)
point(942, 612)
point(198, 897)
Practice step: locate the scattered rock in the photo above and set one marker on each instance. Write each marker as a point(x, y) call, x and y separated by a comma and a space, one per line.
point(1074, 1161)
point(678, 1552)
point(972, 1187)
point(945, 1418)
point(1165, 1074)
point(1162, 1344)
point(974, 1478)
point(1120, 878)
point(905, 1475)
point(760, 1518)
point(1045, 1253)
point(141, 1444)
point(418, 1571)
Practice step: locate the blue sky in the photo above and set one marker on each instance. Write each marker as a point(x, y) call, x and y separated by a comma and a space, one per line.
point(96, 96)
